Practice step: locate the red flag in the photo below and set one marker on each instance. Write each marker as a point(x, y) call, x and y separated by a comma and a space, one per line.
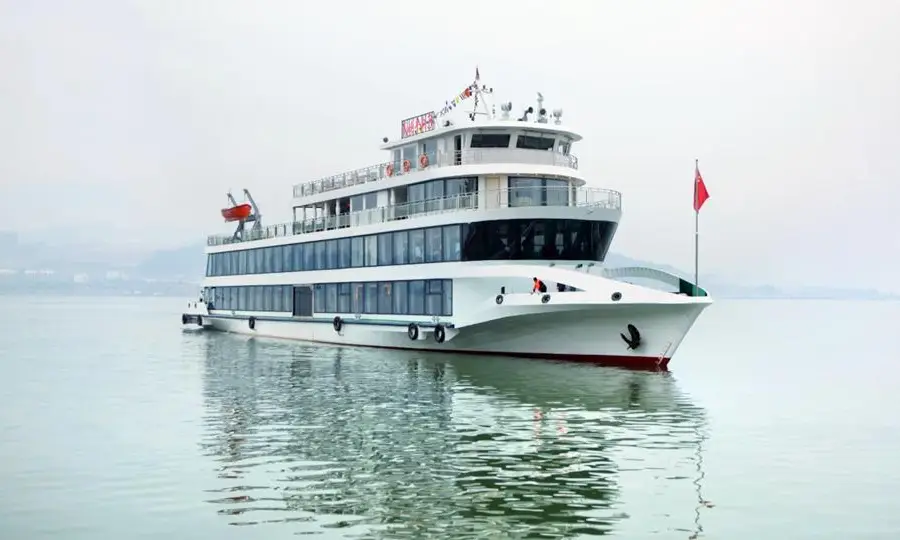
point(700, 193)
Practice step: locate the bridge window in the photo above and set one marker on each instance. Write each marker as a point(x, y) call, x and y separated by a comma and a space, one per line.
point(490, 140)
point(535, 142)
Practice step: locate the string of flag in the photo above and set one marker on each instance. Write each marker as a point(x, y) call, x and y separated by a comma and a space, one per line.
point(451, 104)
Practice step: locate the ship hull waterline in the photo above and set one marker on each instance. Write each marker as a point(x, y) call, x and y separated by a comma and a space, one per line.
point(593, 336)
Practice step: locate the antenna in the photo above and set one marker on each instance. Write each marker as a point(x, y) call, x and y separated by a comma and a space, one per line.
point(542, 112)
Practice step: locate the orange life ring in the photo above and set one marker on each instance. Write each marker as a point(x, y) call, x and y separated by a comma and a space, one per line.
point(423, 161)
point(389, 170)
point(406, 165)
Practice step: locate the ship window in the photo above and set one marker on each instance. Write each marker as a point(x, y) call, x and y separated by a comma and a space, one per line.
point(417, 297)
point(433, 297)
point(357, 251)
point(384, 249)
point(287, 298)
point(433, 250)
point(490, 140)
point(371, 250)
point(297, 256)
point(371, 200)
point(451, 243)
point(319, 298)
point(416, 196)
point(320, 255)
point(343, 298)
point(409, 152)
point(434, 193)
point(531, 142)
point(358, 298)
point(526, 191)
point(401, 306)
point(356, 203)
point(331, 294)
point(416, 246)
point(344, 253)
point(447, 305)
point(371, 297)
point(267, 298)
point(287, 256)
point(309, 256)
point(277, 302)
point(331, 251)
point(401, 247)
point(384, 298)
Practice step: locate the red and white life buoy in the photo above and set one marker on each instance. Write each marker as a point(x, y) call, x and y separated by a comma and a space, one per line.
point(389, 170)
point(423, 161)
point(406, 165)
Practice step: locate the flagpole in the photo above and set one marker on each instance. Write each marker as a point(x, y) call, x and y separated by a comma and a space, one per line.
point(696, 233)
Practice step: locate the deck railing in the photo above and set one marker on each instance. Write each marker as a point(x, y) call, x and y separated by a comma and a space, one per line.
point(488, 200)
point(473, 156)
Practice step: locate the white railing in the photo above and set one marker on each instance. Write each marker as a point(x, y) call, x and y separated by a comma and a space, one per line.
point(472, 156)
point(501, 198)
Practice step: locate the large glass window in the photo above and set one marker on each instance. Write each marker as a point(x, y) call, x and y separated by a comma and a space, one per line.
point(331, 297)
point(357, 251)
point(287, 255)
point(344, 254)
point(358, 300)
point(385, 298)
point(451, 243)
point(331, 254)
point(309, 256)
point(320, 255)
point(371, 297)
point(447, 304)
point(385, 251)
point(319, 298)
point(433, 245)
point(535, 142)
point(527, 191)
point(417, 297)
point(433, 296)
point(401, 247)
point(371, 250)
point(297, 264)
point(344, 298)
point(401, 305)
point(417, 246)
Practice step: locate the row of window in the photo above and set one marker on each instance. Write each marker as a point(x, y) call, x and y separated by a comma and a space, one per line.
point(520, 239)
point(416, 297)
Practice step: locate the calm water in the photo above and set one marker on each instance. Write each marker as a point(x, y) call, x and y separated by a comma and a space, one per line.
point(779, 419)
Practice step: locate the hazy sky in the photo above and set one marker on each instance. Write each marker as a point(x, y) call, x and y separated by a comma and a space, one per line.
point(131, 119)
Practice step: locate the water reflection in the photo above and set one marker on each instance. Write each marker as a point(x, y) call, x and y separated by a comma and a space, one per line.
point(397, 445)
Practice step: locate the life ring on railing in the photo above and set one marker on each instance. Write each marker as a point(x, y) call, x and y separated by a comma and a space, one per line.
point(389, 170)
point(406, 165)
point(413, 331)
point(252, 323)
point(439, 333)
point(337, 323)
point(423, 161)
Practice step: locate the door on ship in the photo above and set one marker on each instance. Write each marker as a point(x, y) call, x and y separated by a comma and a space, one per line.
point(303, 301)
point(457, 150)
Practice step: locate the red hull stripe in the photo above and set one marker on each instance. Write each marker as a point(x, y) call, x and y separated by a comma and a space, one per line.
point(640, 363)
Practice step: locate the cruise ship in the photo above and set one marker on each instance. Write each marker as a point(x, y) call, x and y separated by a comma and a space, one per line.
point(478, 234)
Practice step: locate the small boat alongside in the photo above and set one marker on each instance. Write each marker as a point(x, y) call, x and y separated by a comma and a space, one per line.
point(438, 247)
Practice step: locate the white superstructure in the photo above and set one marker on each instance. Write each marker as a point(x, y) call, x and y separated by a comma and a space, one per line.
point(437, 248)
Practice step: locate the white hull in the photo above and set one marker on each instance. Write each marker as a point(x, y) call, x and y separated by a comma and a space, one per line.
point(591, 334)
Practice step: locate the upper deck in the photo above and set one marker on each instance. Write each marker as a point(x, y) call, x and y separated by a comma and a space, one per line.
point(433, 142)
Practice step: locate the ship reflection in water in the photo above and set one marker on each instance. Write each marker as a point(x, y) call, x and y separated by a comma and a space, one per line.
point(374, 444)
